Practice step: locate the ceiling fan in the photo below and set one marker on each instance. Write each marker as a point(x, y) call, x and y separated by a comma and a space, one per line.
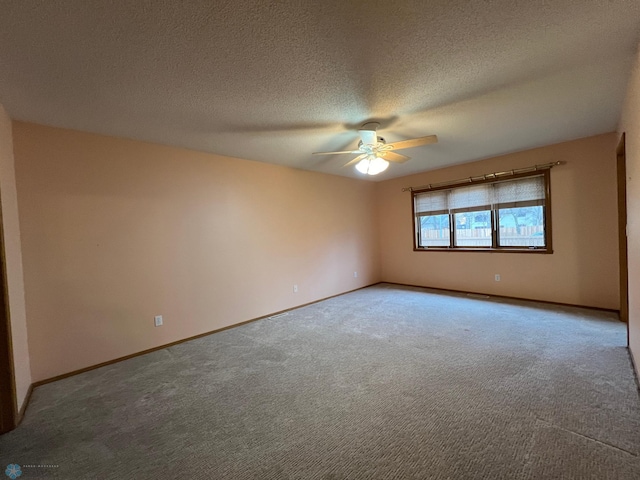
point(375, 154)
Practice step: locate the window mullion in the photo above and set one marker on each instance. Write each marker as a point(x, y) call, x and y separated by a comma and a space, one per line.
point(452, 231)
point(495, 234)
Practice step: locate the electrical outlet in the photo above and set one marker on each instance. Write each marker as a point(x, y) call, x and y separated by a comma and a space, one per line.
point(497, 277)
point(157, 320)
point(295, 289)
point(355, 274)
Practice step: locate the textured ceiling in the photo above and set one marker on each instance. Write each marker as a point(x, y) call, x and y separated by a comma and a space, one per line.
point(276, 80)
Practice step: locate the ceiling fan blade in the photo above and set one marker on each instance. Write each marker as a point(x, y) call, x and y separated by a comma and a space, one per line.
point(355, 160)
point(394, 157)
point(335, 153)
point(368, 137)
point(414, 142)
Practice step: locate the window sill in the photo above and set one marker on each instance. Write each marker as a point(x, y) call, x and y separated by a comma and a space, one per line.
point(481, 249)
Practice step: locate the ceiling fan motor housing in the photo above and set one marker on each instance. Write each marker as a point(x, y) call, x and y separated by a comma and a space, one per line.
point(380, 140)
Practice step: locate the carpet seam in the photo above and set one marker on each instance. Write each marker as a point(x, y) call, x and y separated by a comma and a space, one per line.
point(552, 425)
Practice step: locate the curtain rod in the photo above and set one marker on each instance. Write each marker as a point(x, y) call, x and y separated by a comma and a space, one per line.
point(486, 176)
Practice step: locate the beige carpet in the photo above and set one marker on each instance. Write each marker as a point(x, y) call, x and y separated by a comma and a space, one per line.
point(386, 382)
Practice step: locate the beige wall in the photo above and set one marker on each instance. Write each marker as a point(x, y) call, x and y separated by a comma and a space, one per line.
point(583, 269)
point(116, 231)
point(630, 123)
point(13, 255)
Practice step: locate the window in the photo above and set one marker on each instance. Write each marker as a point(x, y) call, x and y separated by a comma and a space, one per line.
point(504, 215)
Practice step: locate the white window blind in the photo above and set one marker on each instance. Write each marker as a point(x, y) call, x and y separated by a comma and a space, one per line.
point(502, 194)
point(520, 190)
point(432, 201)
point(469, 197)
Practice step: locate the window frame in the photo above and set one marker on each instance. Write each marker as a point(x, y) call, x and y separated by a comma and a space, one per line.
point(438, 213)
point(454, 237)
point(495, 221)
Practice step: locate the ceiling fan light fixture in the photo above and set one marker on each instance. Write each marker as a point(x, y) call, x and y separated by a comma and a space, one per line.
point(374, 153)
point(372, 165)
